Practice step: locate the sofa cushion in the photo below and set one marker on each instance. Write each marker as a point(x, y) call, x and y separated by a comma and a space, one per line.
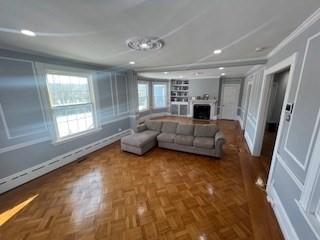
point(208, 130)
point(140, 128)
point(140, 139)
point(203, 142)
point(169, 127)
point(183, 140)
point(154, 125)
point(185, 129)
point(166, 137)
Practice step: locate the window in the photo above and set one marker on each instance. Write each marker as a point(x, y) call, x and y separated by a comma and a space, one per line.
point(159, 95)
point(71, 104)
point(143, 95)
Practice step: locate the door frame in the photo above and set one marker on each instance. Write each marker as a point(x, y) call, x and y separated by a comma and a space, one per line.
point(238, 86)
point(288, 63)
point(247, 104)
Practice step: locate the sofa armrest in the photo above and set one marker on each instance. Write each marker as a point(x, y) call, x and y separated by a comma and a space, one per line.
point(219, 141)
point(140, 128)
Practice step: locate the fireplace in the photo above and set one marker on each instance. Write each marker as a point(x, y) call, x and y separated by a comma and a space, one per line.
point(201, 111)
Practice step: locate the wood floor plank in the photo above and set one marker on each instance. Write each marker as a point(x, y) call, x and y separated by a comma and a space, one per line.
point(162, 195)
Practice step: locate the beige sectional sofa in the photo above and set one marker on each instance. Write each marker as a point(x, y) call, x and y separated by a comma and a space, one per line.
point(200, 139)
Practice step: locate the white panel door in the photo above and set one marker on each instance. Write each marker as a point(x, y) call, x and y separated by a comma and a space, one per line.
point(229, 101)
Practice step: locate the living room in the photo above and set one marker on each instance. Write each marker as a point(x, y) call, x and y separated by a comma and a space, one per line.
point(159, 119)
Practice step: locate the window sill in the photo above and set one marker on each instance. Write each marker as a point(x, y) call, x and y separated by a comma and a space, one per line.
point(157, 108)
point(75, 137)
point(144, 110)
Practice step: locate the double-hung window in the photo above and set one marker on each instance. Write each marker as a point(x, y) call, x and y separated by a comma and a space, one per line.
point(71, 103)
point(159, 95)
point(143, 95)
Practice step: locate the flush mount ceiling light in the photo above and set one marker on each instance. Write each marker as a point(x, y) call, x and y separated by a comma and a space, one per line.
point(28, 33)
point(217, 51)
point(132, 62)
point(145, 44)
point(221, 68)
point(223, 74)
point(165, 72)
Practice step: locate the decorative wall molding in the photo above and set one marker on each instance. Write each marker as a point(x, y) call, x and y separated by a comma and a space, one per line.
point(2, 114)
point(307, 218)
point(117, 95)
point(281, 215)
point(27, 175)
point(289, 171)
point(306, 160)
point(112, 97)
point(309, 197)
point(249, 141)
point(24, 144)
point(251, 121)
point(298, 31)
point(7, 130)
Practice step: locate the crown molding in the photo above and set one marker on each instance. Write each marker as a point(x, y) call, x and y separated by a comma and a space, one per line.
point(298, 31)
point(254, 69)
point(206, 65)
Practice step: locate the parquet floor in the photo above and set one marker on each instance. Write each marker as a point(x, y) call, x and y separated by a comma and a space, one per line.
point(162, 195)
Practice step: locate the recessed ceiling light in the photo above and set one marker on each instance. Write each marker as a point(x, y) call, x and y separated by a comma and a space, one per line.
point(165, 72)
point(221, 68)
point(217, 51)
point(132, 62)
point(260, 49)
point(28, 33)
point(223, 74)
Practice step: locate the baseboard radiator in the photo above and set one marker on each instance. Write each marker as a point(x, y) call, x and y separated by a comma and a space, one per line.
point(27, 175)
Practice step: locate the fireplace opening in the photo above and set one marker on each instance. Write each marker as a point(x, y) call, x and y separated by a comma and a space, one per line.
point(201, 111)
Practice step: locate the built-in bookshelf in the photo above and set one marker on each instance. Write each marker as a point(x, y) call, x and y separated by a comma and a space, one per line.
point(179, 91)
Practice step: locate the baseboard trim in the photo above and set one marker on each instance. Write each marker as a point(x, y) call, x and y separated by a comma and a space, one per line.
point(285, 224)
point(29, 174)
point(240, 122)
point(249, 142)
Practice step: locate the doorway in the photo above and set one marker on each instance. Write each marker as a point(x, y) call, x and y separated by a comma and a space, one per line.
point(277, 94)
point(264, 102)
point(229, 101)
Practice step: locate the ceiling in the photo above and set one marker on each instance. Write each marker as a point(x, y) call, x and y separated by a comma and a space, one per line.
point(96, 31)
point(230, 72)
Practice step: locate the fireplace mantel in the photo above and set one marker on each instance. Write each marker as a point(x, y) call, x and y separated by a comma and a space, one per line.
point(210, 102)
